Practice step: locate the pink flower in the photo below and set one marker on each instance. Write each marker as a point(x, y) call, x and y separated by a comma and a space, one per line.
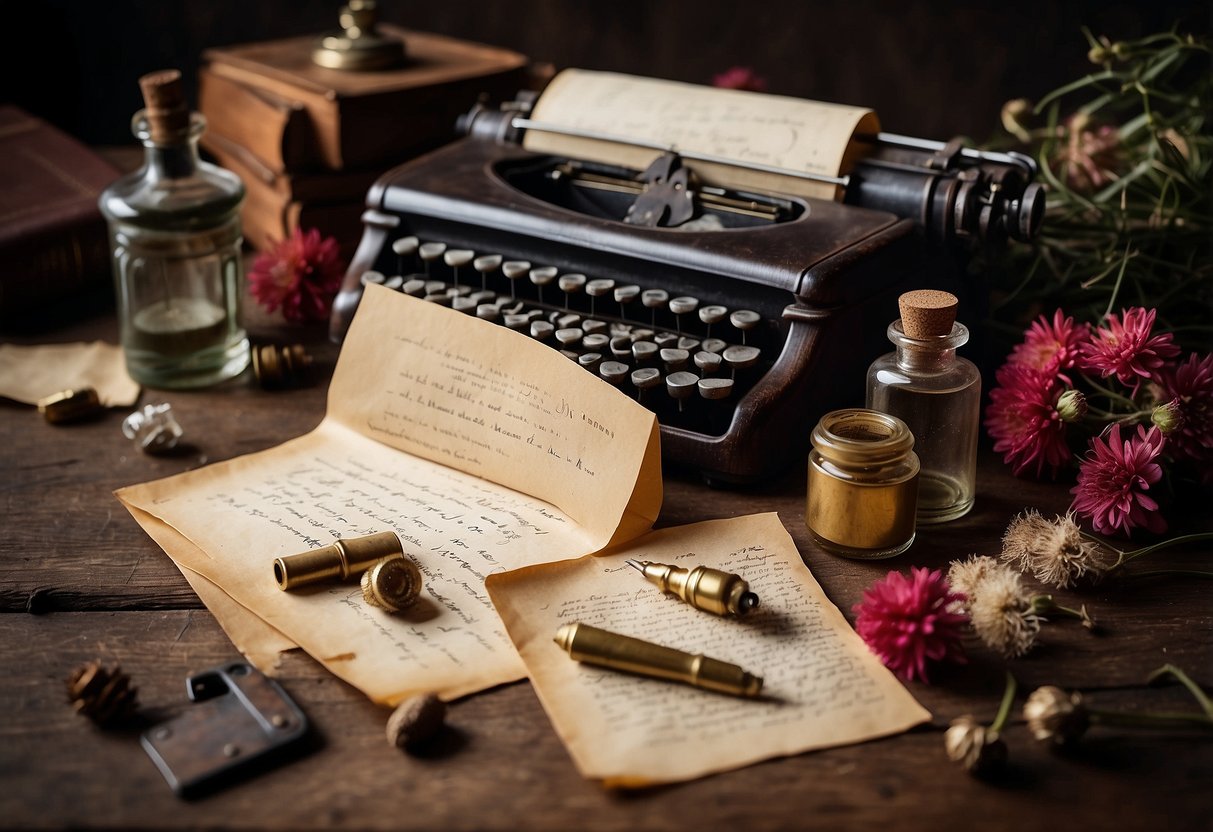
point(908, 622)
point(1127, 350)
point(1051, 347)
point(1091, 154)
point(1113, 480)
point(1024, 422)
point(740, 78)
point(1189, 388)
point(301, 274)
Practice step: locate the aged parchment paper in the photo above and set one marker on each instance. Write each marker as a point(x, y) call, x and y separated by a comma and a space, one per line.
point(484, 450)
point(822, 686)
point(28, 374)
point(771, 130)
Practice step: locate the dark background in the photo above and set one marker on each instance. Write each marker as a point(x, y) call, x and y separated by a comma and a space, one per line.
point(929, 69)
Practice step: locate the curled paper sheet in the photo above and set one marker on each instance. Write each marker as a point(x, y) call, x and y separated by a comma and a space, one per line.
point(28, 374)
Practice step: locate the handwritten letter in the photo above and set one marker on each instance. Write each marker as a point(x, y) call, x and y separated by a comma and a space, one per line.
point(822, 687)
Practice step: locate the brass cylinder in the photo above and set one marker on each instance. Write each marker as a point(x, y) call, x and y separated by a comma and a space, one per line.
point(632, 655)
point(338, 561)
point(704, 588)
point(862, 484)
point(70, 405)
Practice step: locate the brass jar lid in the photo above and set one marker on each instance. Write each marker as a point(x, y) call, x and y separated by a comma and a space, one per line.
point(358, 46)
point(392, 584)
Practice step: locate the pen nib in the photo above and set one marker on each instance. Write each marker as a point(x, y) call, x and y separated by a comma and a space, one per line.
point(635, 564)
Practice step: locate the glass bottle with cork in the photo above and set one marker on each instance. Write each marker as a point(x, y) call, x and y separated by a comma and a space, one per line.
point(175, 236)
point(938, 395)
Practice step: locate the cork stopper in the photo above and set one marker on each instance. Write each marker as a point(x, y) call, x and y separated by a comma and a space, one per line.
point(927, 313)
point(168, 116)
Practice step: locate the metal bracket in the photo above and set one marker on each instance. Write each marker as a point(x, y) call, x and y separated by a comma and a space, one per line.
point(668, 199)
point(241, 717)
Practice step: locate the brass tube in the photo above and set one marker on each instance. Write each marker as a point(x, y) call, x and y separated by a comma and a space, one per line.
point(336, 562)
point(632, 655)
point(704, 588)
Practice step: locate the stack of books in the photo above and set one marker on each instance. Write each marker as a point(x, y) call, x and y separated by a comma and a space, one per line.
point(308, 142)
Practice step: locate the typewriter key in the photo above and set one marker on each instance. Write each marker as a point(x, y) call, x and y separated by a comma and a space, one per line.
point(541, 330)
point(741, 358)
point(682, 306)
point(621, 346)
point(567, 321)
point(745, 320)
point(463, 304)
point(569, 354)
point(625, 295)
point(541, 277)
point(598, 288)
point(595, 342)
point(405, 247)
point(458, 291)
point(591, 326)
point(590, 360)
point(570, 284)
point(514, 269)
point(372, 277)
point(708, 362)
point(713, 314)
point(654, 299)
point(674, 359)
point(430, 252)
point(517, 322)
point(688, 344)
point(640, 334)
point(713, 345)
point(613, 372)
point(457, 258)
point(646, 378)
point(440, 298)
point(715, 389)
point(569, 337)
point(482, 297)
point(486, 265)
point(414, 286)
point(644, 351)
point(681, 385)
point(487, 311)
point(394, 282)
point(666, 339)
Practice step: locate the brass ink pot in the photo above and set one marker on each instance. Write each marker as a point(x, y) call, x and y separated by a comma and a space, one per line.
point(863, 484)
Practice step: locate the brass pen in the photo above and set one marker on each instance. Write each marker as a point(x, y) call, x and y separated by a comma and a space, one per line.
point(618, 652)
point(704, 588)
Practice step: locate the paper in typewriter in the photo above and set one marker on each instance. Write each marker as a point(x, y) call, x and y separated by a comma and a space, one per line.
point(822, 687)
point(484, 450)
point(778, 131)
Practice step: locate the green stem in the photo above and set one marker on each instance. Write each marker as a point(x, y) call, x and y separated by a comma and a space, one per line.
point(1045, 605)
point(1004, 710)
point(1154, 573)
point(1187, 682)
point(1125, 557)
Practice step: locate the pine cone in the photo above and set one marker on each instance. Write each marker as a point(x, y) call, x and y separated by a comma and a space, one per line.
point(103, 695)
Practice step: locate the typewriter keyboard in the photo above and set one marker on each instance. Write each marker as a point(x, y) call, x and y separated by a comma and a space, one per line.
point(682, 358)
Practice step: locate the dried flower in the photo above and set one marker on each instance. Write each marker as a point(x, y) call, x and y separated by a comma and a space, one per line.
point(999, 607)
point(1056, 716)
point(1023, 420)
point(976, 747)
point(301, 274)
point(1051, 346)
point(1091, 154)
point(910, 622)
point(1113, 480)
point(740, 78)
point(1014, 118)
point(1189, 386)
point(1127, 349)
point(1056, 551)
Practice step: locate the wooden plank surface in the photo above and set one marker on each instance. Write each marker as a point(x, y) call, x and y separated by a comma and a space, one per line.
point(102, 589)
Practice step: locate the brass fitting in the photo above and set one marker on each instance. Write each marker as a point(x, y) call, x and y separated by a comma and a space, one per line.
point(606, 649)
point(335, 562)
point(70, 406)
point(704, 588)
point(392, 584)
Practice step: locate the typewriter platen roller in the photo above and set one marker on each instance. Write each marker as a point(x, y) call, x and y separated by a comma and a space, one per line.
point(737, 315)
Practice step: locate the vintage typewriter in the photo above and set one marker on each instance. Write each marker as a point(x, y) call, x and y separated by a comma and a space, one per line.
point(738, 315)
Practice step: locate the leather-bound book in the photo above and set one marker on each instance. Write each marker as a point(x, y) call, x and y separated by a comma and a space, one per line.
point(54, 249)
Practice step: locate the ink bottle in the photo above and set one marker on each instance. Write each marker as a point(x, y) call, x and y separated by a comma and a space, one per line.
point(175, 237)
point(862, 484)
point(938, 395)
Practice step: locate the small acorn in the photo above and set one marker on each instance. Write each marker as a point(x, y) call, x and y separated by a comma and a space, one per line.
point(416, 721)
point(102, 694)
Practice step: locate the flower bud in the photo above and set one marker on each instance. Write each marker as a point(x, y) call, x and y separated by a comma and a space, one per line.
point(1168, 417)
point(1056, 716)
point(1072, 405)
point(976, 747)
point(1099, 55)
point(1014, 118)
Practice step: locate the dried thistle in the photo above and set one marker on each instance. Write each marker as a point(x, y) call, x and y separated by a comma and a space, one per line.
point(1056, 716)
point(977, 747)
point(102, 694)
point(1001, 610)
point(1056, 552)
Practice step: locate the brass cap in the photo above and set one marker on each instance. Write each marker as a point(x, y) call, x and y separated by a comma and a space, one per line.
point(70, 405)
point(927, 313)
point(392, 584)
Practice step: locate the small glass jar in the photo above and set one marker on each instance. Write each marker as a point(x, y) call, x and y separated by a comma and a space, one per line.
point(175, 236)
point(863, 484)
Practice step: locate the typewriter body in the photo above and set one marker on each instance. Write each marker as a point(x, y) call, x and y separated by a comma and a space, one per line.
point(737, 317)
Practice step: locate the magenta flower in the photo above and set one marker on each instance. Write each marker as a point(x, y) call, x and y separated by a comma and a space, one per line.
point(1024, 422)
point(1113, 480)
point(1126, 349)
point(740, 78)
point(1051, 346)
point(910, 622)
point(301, 274)
point(1189, 387)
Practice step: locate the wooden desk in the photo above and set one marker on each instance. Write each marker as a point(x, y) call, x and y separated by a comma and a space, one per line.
point(80, 580)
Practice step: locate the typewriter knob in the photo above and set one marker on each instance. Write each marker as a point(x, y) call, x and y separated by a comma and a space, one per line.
point(1026, 213)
